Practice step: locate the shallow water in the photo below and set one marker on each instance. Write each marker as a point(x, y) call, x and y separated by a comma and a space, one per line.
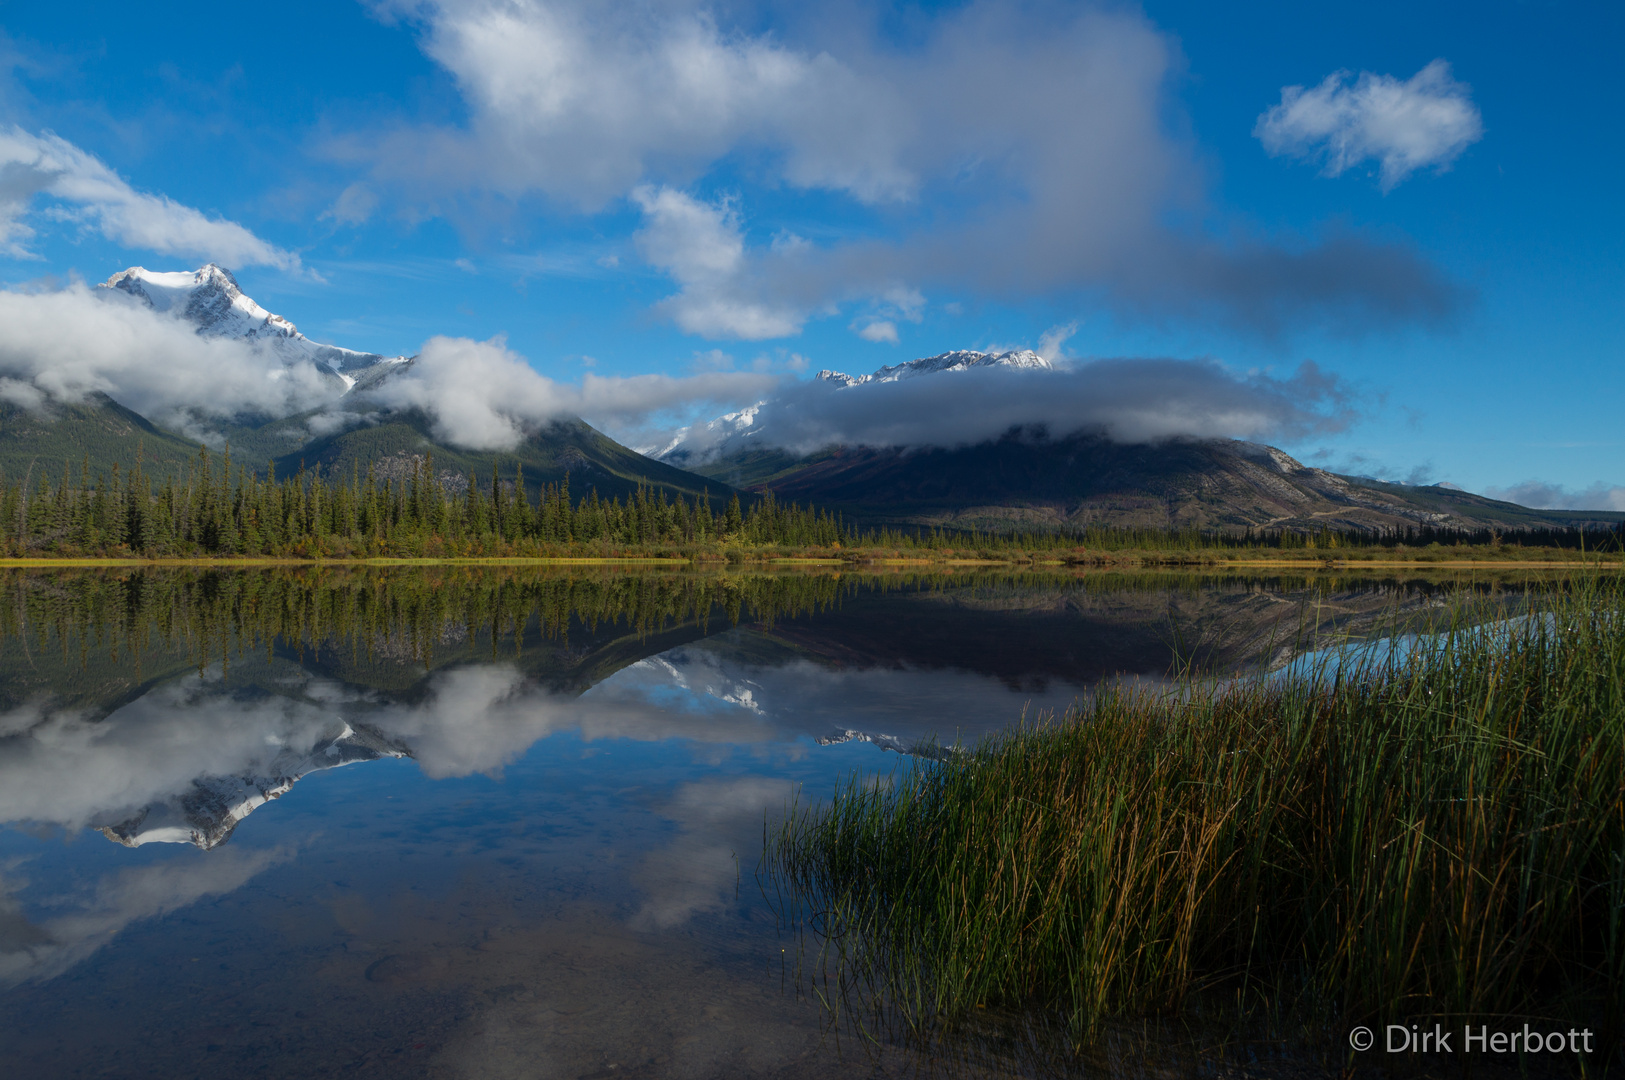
point(502, 823)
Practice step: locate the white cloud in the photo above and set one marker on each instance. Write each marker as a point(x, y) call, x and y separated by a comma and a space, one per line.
point(1051, 341)
point(703, 249)
point(583, 102)
point(880, 330)
point(899, 302)
point(1544, 496)
point(1033, 140)
point(484, 396)
point(1423, 122)
point(88, 193)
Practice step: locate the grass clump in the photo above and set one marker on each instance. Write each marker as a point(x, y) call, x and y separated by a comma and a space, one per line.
point(1437, 830)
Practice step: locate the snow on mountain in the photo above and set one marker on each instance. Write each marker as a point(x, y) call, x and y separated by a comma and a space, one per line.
point(211, 300)
point(957, 360)
point(737, 431)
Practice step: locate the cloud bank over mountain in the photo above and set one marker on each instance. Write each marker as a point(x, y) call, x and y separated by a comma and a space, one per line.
point(68, 344)
point(1126, 400)
point(484, 396)
point(1009, 151)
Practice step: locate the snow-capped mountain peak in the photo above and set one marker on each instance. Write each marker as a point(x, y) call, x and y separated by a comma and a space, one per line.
point(211, 300)
point(209, 297)
point(957, 360)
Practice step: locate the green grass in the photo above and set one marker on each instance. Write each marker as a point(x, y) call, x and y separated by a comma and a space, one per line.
point(1439, 833)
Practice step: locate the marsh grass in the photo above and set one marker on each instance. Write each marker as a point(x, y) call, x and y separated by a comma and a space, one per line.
point(1435, 830)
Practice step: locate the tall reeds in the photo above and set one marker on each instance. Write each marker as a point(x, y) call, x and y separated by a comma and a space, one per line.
point(1436, 829)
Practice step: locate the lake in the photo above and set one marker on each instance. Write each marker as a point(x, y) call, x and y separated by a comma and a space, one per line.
point(508, 821)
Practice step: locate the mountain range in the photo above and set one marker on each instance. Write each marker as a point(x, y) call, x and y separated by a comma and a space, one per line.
point(37, 443)
point(1026, 478)
point(1030, 479)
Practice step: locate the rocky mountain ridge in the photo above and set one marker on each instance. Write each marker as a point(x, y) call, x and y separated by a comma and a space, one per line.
point(955, 360)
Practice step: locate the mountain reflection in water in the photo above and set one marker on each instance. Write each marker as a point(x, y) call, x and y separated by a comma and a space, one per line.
point(543, 854)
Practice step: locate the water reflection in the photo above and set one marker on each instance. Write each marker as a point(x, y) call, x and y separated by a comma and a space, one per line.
point(495, 823)
point(85, 923)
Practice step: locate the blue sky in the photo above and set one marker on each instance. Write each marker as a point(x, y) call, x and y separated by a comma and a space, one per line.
point(666, 188)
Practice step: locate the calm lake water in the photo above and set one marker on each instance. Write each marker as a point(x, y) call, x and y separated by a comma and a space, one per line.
point(503, 822)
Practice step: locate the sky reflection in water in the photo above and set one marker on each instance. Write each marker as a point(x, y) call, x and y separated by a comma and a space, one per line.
point(477, 869)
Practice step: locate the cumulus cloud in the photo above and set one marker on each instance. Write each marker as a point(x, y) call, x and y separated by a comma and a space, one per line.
point(1543, 496)
point(1042, 131)
point(1424, 122)
point(1130, 401)
point(84, 191)
point(702, 247)
point(879, 330)
point(582, 102)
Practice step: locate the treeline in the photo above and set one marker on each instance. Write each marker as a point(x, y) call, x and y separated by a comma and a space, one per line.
point(214, 510)
point(1570, 538)
point(1105, 538)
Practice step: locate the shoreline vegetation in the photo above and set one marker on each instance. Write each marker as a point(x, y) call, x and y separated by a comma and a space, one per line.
point(1083, 558)
point(1433, 830)
point(217, 514)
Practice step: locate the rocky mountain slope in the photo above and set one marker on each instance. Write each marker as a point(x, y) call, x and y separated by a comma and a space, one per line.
point(1023, 481)
point(35, 444)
